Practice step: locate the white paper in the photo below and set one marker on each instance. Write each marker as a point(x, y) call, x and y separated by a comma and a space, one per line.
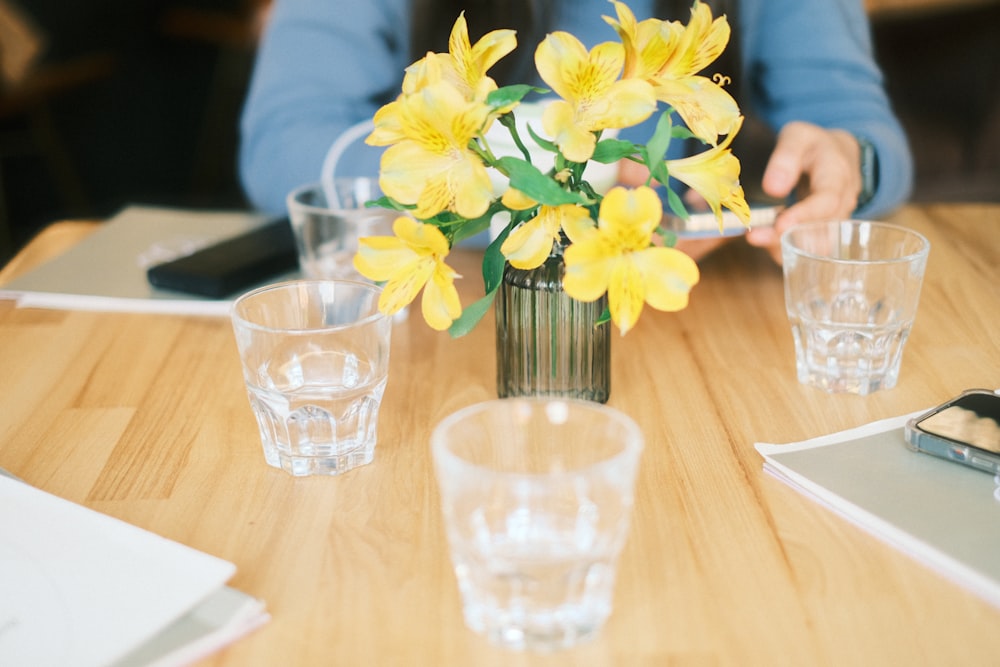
point(940, 513)
point(81, 588)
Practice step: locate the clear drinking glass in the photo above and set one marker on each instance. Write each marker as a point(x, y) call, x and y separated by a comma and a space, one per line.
point(851, 293)
point(327, 232)
point(537, 497)
point(315, 356)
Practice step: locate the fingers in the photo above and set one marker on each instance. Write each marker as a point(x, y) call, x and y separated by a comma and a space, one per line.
point(787, 163)
point(825, 163)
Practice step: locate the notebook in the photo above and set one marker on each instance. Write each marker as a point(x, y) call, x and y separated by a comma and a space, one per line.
point(943, 514)
point(106, 271)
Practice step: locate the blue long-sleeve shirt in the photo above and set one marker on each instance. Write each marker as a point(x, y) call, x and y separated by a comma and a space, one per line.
point(325, 65)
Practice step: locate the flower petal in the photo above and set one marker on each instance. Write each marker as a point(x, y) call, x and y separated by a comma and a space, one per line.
point(707, 109)
point(626, 294)
point(558, 58)
point(669, 275)
point(528, 245)
point(577, 224)
point(440, 304)
point(714, 174)
point(589, 265)
point(379, 257)
point(402, 288)
point(630, 216)
point(517, 201)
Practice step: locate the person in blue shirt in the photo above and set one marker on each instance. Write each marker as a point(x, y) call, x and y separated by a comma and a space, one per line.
point(805, 69)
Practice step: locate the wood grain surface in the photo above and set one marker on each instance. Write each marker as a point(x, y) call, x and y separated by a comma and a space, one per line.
point(145, 418)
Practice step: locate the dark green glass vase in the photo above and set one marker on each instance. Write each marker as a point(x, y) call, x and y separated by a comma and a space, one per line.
point(547, 343)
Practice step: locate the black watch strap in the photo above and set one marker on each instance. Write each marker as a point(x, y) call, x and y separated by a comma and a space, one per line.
point(869, 171)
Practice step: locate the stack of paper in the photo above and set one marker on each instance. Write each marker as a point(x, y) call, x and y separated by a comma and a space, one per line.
point(106, 271)
point(941, 513)
point(81, 588)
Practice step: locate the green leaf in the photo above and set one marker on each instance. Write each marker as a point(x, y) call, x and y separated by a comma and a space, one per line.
point(676, 205)
point(471, 316)
point(541, 141)
point(668, 236)
point(387, 202)
point(656, 147)
point(609, 151)
point(605, 317)
point(470, 228)
point(681, 132)
point(659, 171)
point(466, 228)
point(494, 261)
point(528, 179)
point(502, 97)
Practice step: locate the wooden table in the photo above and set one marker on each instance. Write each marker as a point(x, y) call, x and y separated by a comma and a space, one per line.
point(144, 417)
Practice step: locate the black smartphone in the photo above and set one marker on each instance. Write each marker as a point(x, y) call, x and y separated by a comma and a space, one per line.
point(965, 430)
point(231, 265)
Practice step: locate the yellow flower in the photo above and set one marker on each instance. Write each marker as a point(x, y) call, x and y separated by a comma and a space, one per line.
point(431, 166)
point(593, 97)
point(669, 56)
point(648, 44)
point(411, 260)
point(619, 258)
point(465, 65)
point(715, 175)
point(471, 62)
point(529, 244)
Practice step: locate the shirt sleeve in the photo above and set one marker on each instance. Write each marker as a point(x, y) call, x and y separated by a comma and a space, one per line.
point(813, 61)
point(322, 66)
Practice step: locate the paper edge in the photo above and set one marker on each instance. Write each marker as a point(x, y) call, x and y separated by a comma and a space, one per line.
point(767, 448)
point(62, 301)
point(251, 615)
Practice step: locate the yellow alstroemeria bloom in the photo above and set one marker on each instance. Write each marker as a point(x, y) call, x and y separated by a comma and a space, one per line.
point(432, 167)
point(471, 62)
point(715, 175)
point(465, 65)
point(529, 244)
point(593, 96)
point(412, 260)
point(648, 44)
point(620, 259)
point(669, 56)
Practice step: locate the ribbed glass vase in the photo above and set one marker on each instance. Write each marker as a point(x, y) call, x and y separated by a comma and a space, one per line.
point(547, 343)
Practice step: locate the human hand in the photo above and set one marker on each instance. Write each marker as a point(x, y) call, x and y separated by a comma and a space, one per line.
point(824, 164)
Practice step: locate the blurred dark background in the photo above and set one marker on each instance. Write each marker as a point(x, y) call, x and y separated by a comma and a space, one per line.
point(126, 101)
point(137, 101)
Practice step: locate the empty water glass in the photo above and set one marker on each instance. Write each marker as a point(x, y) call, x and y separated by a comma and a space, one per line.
point(537, 498)
point(851, 292)
point(315, 357)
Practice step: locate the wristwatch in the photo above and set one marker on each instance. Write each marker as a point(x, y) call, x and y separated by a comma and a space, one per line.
point(869, 171)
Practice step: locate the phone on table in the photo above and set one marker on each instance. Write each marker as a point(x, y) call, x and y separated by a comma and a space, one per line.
point(231, 265)
point(965, 430)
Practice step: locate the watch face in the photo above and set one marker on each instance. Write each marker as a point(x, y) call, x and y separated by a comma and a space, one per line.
point(869, 171)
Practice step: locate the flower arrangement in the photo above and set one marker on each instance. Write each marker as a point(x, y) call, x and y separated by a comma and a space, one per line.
point(437, 161)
